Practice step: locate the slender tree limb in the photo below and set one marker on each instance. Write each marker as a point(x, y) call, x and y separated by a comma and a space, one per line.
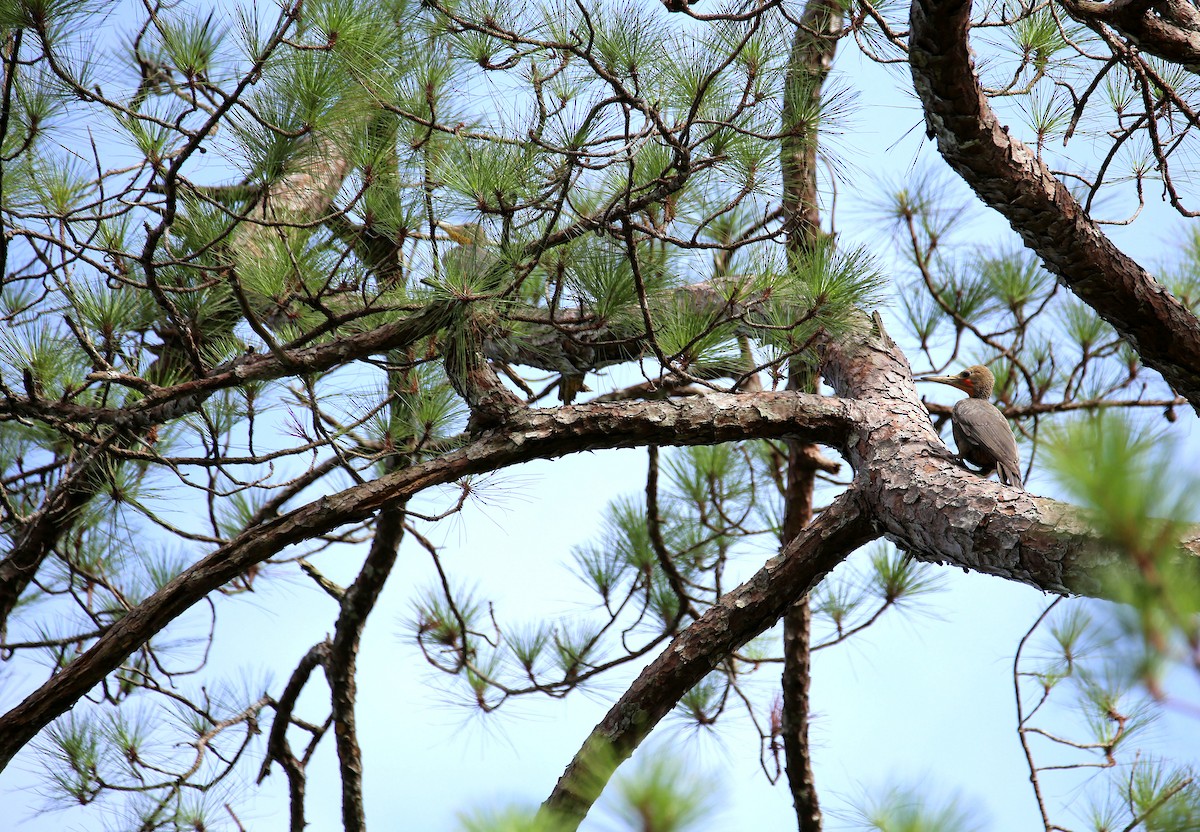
point(654, 528)
point(797, 677)
point(163, 404)
point(340, 669)
point(814, 44)
point(1009, 177)
point(797, 647)
point(278, 748)
point(37, 535)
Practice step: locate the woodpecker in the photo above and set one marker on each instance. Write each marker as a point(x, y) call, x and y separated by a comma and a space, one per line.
point(980, 429)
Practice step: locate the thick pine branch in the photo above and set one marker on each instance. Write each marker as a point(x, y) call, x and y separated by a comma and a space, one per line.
point(1169, 30)
point(910, 489)
point(1009, 177)
point(905, 488)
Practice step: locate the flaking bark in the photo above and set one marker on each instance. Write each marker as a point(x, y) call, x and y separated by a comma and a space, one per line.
point(538, 434)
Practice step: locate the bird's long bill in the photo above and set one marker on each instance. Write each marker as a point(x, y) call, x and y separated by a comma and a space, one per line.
point(953, 381)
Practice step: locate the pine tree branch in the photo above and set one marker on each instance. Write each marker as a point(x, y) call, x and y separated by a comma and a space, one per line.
point(1009, 177)
point(814, 44)
point(38, 533)
point(162, 404)
point(340, 669)
point(537, 434)
point(1169, 30)
point(908, 487)
point(933, 509)
point(278, 748)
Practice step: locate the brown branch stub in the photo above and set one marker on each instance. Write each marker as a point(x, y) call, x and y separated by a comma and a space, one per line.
point(278, 748)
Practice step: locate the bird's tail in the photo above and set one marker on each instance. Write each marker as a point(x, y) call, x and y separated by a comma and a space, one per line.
point(1009, 475)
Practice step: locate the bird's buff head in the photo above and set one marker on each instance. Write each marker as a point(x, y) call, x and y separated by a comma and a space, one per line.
point(977, 381)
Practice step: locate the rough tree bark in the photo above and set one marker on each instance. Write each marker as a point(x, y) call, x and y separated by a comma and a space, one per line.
point(538, 434)
point(342, 664)
point(906, 489)
point(1169, 30)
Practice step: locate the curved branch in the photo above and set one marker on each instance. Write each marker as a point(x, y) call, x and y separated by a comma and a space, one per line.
point(1009, 177)
point(162, 404)
point(538, 434)
point(941, 513)
point(906, 488)
point(738, 617)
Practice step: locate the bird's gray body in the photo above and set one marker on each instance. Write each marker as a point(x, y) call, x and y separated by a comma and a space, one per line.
point(984, 439)
point(980, 429)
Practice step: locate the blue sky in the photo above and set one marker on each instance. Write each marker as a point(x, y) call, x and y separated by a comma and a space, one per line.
point(923, 699)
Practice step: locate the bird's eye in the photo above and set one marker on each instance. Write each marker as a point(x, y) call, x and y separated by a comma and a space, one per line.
point(964, 374)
